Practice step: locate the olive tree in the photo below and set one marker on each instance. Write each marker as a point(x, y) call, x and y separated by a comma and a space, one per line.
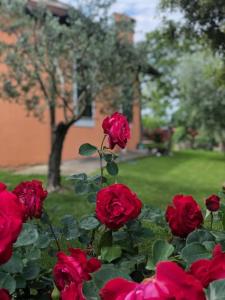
point(62, 63)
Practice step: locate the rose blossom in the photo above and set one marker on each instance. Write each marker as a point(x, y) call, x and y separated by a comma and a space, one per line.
point(4, 295)
point(184, 215)
point(11, 220)
point(32, 195)
point(71, 271)
point(116, 205)
point(213, 203)
point(208, 270)
point(170, 282)
point(117, 129)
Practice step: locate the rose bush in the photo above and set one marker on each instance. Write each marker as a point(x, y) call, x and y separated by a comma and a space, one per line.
point(109, 257)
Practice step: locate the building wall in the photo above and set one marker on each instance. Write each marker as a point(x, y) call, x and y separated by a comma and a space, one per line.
point(25, 140)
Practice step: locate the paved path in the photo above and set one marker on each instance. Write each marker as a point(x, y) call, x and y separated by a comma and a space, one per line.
point(86, 165)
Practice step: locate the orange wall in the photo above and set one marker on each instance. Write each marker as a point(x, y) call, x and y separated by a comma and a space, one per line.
point(25, 140)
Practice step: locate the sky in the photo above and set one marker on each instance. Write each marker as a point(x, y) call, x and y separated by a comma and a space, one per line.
point(145, 12)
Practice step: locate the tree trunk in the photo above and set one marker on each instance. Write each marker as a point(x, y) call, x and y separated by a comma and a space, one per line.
point(223, 146)
point(58, 135)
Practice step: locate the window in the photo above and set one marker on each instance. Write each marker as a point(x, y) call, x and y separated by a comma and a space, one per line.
point(88, 117)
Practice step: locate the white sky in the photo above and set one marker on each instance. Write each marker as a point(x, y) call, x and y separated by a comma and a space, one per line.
point(145, 12)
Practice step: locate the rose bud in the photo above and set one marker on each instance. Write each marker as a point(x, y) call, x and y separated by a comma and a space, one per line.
point(213, 203)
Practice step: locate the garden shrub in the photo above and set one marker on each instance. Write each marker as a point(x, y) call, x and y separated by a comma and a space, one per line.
point(100, 256)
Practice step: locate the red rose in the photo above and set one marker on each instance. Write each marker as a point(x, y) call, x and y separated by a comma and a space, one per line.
point(31, 194)
point(117, 129)
point(116, 205)
point(208, 270)
point(170, 282)
point(117, 289)
point(184, 216)
point(73, 292)
point(4, 295)
point(213, 203)
point(71, 271)
point(11, 220)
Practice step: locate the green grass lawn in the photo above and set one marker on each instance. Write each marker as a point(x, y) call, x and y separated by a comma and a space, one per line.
point(154, 179)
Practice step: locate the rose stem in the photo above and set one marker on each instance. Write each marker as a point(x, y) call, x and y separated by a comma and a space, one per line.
point(211, 225)
point(53, 232)
point(100, 156)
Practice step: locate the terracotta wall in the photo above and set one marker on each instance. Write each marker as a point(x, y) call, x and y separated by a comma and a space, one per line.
point(25, 140)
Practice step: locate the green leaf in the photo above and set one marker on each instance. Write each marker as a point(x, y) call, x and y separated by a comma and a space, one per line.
point(112, 168)
point(43, 240)
point(80, 177)
point(92, 197)
point(20, 282)
point(87, 149)
point(33, 254)
point(82, 188)
point(89, 223)
point(200, 236)
point(90, 290)
point(162, 250)
point(14, 265)
point(216, 290)
point(106, 273)
point(70, 228)
point(111, 253)
point(194, 251)
point(31, 270)
point(28, 236)
point(7, 282)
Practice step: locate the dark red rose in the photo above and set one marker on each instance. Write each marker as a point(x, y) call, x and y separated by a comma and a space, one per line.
point(11, 220)
point(72, 292)
point(184, 216)
point(213, 203)
point(170, 282)
point(4, 295)
point(117, 129)
point(116, 205)
point(208, 270)
point(72, 270)
point(31, 194)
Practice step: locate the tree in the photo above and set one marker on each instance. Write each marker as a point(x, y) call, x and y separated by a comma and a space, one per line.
point(165, 46)
point(62, 63)
point(202, 97)
point(204, 17)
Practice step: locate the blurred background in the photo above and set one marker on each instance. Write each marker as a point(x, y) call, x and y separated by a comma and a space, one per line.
point(65, 65)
